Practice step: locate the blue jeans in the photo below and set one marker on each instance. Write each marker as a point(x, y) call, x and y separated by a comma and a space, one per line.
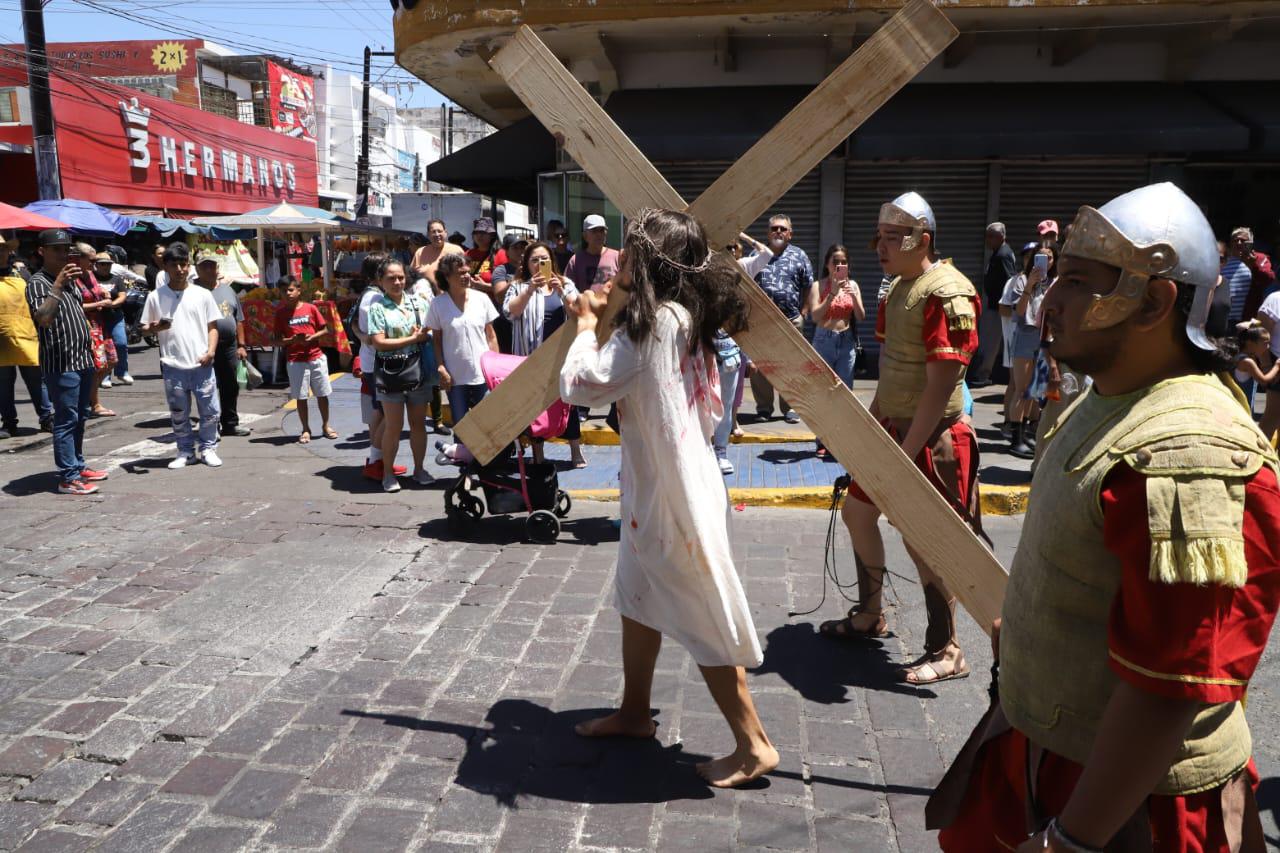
point(463, 397)
point(728, 390)
point(837, 350)
point(121, 337)
point(70, 393)
point(35, 390)
point(179, 387)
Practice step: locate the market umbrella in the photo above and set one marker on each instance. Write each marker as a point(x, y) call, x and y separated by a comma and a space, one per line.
point(282, 217)
point(83, 216)
point(292, 211)
point(16, 218)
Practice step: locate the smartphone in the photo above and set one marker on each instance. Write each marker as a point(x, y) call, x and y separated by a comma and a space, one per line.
point(842, 272)
point(1041, 263)
point(544, 269)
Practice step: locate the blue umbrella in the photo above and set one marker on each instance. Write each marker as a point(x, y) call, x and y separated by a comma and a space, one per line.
point(84, 217)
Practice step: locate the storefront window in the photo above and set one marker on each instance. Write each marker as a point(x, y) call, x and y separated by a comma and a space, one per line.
point(571, 197)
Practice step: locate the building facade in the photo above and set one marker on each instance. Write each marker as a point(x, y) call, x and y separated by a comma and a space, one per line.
point(1037, 108)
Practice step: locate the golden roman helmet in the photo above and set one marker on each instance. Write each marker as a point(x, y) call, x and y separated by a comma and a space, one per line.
point(1154, 231)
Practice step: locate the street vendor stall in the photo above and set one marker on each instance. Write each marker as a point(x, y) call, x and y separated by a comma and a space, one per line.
point(283, 218)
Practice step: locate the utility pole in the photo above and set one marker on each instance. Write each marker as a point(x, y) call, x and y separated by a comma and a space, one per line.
point(48, 182)
point(362, 167)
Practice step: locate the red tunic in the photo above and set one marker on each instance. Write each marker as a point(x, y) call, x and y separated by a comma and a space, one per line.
point(1179, 640)
point(941, 343)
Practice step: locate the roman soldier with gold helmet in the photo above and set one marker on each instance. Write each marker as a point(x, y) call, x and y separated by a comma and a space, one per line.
point(927, 325)
point(1147, 577)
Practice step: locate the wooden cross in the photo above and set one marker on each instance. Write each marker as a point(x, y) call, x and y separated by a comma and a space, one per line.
point(899, 50)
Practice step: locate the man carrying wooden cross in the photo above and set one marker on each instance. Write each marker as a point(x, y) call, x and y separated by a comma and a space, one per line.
point(927, 326)
point(1147, 578)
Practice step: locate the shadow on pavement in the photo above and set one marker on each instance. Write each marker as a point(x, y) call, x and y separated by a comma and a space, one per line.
point(510, 529)
point(1268, 796)
point(45, 481)
point(787, 457)
point(995, 475)
point(527, 750)
point(154, 423)
point(280, 440)
point(823, 670)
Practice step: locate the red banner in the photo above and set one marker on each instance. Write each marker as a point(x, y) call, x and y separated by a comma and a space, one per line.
point(291, 102)
point(119, 147)
point(134, 63)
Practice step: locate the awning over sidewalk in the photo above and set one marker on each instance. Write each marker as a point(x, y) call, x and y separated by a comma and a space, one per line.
point(924, 121)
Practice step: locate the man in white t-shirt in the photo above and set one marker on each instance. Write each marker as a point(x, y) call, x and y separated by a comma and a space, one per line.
point(186, 319)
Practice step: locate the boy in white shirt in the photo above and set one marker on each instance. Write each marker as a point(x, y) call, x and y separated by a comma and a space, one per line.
point(186, 319)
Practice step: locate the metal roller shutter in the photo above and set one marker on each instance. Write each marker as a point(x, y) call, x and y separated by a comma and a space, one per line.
point(957, 192)
point(1031, 192)
point(802, 202)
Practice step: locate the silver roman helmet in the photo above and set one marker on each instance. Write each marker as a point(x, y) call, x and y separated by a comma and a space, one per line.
point(910, 210)
point(1155, 231)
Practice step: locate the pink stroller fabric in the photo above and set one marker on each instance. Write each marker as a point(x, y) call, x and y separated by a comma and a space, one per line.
point(498, 366)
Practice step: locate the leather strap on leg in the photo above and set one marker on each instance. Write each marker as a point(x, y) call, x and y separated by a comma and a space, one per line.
point(870, 582)
point(941, 630)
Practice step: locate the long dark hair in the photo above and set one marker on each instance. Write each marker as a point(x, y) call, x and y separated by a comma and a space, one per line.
point(831, 251)
point(1030, 261)
point(667, 254)
point(525, 274)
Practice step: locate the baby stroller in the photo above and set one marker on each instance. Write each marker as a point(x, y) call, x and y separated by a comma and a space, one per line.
point(509, 483)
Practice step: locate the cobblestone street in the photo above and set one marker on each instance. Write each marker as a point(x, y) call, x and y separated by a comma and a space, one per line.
point(252, 658)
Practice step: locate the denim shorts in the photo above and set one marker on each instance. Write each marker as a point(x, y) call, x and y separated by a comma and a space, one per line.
point(1026, 342)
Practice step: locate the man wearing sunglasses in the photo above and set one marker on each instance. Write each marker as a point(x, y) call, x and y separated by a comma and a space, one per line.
point(787, 280)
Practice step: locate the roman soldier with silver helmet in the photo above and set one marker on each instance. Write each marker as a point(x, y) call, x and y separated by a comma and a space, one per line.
point(1145, 583)
point(927, 325)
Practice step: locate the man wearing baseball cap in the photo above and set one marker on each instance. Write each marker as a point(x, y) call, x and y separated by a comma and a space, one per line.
point(66, 358)
point(596, 265)
point(1048, 230)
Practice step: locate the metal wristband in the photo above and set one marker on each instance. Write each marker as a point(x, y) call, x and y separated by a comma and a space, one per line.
point(1063, 841)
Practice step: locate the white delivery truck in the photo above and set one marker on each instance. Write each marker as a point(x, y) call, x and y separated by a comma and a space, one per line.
point(459, 210)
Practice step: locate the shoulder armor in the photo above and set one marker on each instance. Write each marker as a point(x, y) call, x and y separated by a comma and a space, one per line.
point(1193, 442)
point(1196, 462)
point(953, 290)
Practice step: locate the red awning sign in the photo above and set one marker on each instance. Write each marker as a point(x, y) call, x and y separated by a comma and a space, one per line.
point(119, 147)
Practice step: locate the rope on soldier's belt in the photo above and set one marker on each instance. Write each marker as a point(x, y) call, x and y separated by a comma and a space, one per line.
point(829, 569)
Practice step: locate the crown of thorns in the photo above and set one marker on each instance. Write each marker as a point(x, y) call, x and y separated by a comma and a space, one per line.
point(637, 230)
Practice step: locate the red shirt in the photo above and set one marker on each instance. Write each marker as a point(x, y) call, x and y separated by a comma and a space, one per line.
point(941, 343)
point(481, 264)
point(1181, 640)
point(305, 318)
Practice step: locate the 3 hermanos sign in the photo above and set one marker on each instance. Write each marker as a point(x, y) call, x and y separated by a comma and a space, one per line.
point(119, 147)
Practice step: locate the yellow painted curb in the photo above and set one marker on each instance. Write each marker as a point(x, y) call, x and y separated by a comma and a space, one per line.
point(996, 500)
point(600, 435)
point(1005, 500)
point(293, 404)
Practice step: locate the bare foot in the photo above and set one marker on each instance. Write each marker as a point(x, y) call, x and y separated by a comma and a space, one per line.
point(616, 725)
point(739, 768)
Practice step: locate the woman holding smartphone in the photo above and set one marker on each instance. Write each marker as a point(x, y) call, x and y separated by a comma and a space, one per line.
point(1040, 270)
point(536, 303)
point(836, 308)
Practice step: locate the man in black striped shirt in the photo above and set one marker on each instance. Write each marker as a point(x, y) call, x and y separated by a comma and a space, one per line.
point(66, 358)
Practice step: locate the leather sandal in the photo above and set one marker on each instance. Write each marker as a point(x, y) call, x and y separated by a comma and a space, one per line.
point(843, 629)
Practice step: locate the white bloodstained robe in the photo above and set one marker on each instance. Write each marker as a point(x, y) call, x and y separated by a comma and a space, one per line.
point(675, 569)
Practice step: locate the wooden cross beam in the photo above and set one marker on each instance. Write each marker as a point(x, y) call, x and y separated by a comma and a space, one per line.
point(865, 81)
